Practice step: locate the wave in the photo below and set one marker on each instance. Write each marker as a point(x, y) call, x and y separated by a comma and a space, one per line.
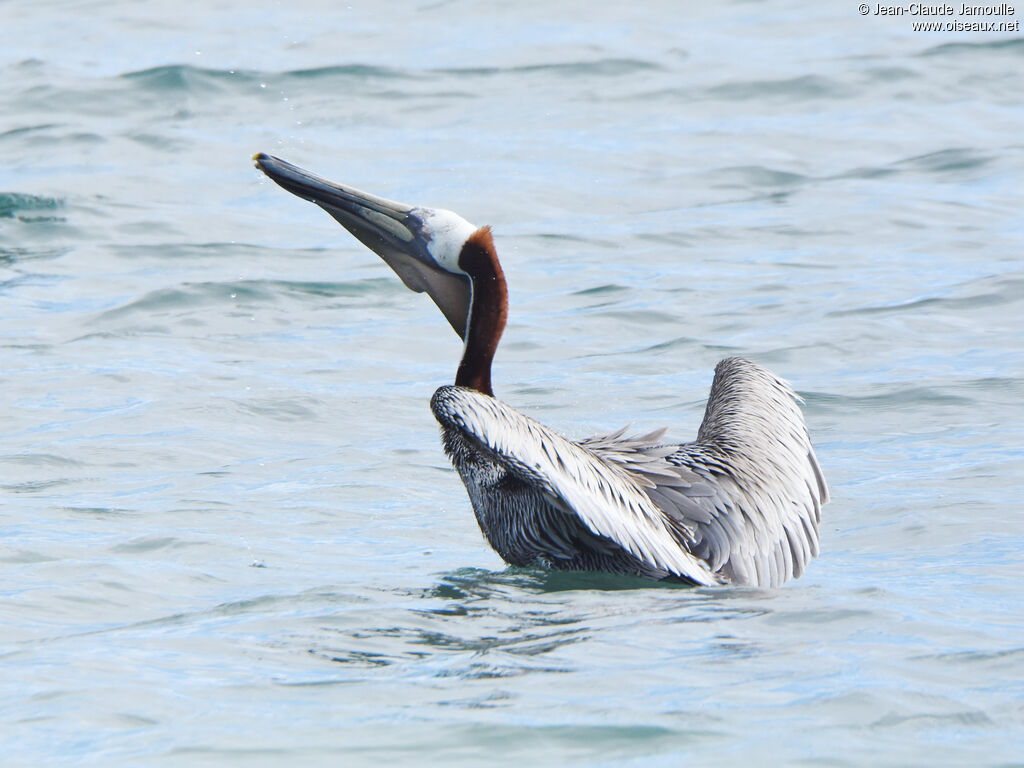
point(243, 293)
point(804, 87)
point(17, 205)
point(184, 77)
point(982, 293)
point(1014, 46)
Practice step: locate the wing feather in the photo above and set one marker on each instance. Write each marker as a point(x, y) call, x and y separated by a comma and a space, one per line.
point(605, 496)
point(770, 487)
point(742, 504)
point(751, 487)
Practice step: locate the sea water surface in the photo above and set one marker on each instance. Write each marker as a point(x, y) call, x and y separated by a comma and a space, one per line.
point(228, 533)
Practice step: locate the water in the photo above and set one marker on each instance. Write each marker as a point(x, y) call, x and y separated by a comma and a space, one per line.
point(228, 531)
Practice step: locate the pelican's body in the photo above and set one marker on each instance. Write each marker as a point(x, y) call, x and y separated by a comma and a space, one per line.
point(740, 505)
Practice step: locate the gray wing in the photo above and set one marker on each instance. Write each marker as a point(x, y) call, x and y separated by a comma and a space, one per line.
point(575, 480)
point(750, 488)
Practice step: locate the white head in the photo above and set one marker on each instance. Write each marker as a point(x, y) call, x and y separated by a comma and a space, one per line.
point(445, 233)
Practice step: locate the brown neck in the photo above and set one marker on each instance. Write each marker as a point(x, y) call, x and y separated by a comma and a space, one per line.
point(487, 311)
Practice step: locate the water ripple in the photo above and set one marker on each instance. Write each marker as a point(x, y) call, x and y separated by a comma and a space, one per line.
point(804, 87)
point(1013, 46)
point(25, 207)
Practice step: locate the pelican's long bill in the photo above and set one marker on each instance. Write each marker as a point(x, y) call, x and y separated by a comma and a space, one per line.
point(407, 238)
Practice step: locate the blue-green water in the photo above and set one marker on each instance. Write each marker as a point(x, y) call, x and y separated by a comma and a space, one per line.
point(228, 532)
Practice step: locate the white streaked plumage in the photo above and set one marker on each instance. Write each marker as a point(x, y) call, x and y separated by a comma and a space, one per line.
point(740, 505)
point(573, 478)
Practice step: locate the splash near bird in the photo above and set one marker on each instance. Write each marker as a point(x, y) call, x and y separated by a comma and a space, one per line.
point(739, 505)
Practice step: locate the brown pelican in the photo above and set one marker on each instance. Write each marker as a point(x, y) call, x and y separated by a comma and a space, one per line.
point(739, 505)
